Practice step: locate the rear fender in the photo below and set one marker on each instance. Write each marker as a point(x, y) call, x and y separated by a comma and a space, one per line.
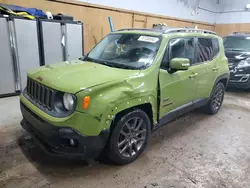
point(223, 78)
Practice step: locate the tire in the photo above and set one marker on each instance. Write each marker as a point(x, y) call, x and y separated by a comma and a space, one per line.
point(131, 133)
point(216, 100)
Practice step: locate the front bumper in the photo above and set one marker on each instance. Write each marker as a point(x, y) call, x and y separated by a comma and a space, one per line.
point(54, 141)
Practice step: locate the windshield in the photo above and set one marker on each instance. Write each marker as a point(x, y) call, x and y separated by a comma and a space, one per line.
point(237, 43)
point(128, 51)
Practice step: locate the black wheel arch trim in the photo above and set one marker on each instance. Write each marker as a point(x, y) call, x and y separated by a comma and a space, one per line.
point(220, 78)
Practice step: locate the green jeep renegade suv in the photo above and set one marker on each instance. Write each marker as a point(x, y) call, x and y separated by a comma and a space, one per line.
point(130, 83)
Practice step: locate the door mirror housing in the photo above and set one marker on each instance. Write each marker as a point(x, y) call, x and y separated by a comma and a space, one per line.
point(179, 64)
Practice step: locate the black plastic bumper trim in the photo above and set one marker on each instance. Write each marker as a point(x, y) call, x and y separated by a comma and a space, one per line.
point(56, 143)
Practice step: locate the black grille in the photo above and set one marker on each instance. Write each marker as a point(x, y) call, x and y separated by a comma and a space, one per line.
point(40, 93)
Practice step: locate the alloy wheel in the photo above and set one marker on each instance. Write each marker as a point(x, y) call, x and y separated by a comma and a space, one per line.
point(217, 98)
point(132, 137)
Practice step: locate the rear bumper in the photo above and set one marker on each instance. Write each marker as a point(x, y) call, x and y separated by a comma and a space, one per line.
point(56, 140)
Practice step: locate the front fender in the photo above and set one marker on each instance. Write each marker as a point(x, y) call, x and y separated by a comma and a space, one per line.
point(147, 99)
point(111, 98)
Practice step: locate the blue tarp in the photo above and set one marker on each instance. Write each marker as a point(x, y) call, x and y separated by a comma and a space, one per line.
point(31, 11)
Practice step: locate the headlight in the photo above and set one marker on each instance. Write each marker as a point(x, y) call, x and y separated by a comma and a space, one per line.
point(244, 63)
point(68, 101)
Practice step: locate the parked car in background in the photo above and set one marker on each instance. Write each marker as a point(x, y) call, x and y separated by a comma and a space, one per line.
point(237, 50)
point(130, 83)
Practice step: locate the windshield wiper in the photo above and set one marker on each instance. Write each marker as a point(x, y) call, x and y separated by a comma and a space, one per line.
point(128, 67)
point(108, 63)
point(98, 61)
point(119, 65)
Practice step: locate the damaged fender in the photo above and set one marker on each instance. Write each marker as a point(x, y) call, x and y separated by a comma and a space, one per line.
point(109, 99)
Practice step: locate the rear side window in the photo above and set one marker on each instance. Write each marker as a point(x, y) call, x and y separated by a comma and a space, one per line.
point(207, 49)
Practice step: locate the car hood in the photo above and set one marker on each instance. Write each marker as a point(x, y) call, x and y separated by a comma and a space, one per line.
point(236, 56)
point(78, 75)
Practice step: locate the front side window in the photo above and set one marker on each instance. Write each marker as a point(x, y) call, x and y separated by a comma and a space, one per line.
point(237, 43)
point(128, 51)
point(182, 48)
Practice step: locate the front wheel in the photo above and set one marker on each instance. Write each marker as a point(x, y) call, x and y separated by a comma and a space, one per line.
point(129, 137)
point(215, 102)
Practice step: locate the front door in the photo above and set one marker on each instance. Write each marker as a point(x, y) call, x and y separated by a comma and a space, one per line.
point(178, 89)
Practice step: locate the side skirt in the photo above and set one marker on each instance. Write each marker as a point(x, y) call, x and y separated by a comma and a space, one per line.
point(170, 116)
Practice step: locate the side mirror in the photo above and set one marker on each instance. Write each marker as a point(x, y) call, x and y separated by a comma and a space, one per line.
point(179, 64)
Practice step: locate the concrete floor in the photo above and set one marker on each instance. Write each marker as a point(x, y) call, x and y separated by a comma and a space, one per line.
point(196, 150)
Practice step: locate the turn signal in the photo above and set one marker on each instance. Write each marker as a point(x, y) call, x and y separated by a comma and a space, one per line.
point(86, 102)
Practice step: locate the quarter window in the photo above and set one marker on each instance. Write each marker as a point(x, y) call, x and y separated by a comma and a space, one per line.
point(216, 46)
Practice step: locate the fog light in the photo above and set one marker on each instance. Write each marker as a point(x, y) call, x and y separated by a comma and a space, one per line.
point(72, 142)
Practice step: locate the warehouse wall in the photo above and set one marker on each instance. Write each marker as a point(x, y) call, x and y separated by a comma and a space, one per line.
point(96, 24)
point(233, 17)
point(233, 12)
point(225, 29)
point(95, 17)
point(175, 8)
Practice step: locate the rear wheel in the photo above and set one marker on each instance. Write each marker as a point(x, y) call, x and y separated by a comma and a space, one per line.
point(214, 104)
point(129, 137)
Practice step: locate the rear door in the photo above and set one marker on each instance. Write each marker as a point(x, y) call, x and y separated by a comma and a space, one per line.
point(206, 66)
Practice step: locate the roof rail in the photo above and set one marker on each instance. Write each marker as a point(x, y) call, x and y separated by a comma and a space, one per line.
point(247, 32)
point(189, 30)
point(171, 30)
point(142, 29)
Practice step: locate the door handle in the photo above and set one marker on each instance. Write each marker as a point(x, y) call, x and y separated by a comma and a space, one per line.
point(193, 75)
point(215, 68)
